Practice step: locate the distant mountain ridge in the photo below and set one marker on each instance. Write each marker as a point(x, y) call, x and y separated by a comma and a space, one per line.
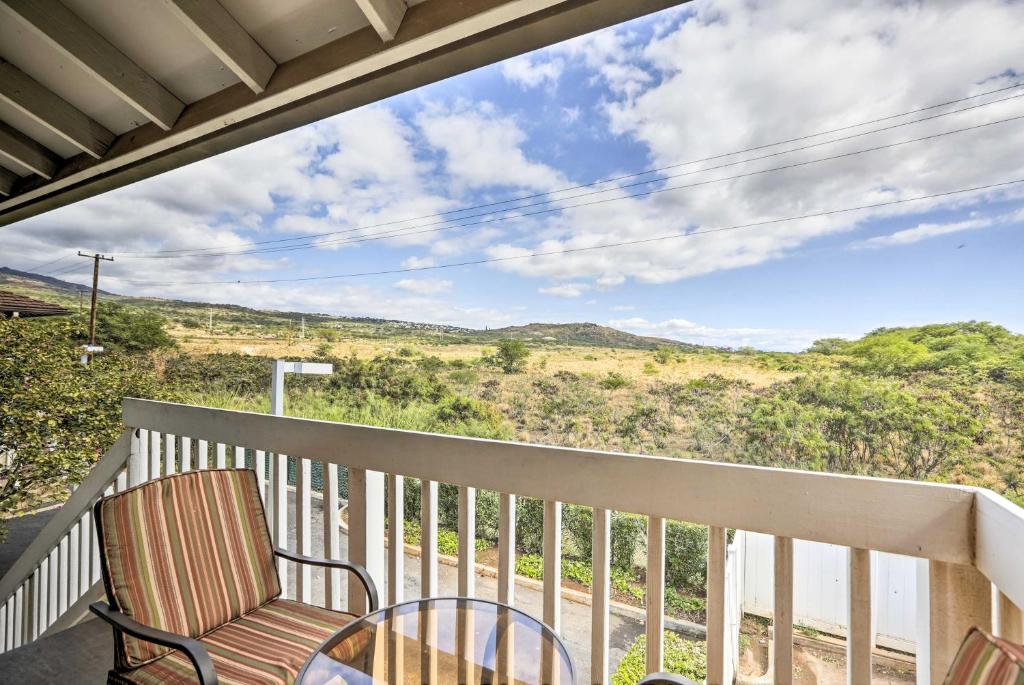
point(189, 313)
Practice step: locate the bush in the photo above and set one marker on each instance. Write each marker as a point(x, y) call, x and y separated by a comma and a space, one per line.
point(530, 566)
point(613, 381)
point(127, 329)
point(629, 533)
point(686, 551)
point(511, 355)
point(682, 657)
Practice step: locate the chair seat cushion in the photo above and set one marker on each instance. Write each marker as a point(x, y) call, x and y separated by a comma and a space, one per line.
point(267, 646)
point(987, 660)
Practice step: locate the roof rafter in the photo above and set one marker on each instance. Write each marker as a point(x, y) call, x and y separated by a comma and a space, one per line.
point(16, 146)
point(79, 42)
point(438, 40)
point(7, 180)
point(37, 102)
point(385, 16)
point(226, 39)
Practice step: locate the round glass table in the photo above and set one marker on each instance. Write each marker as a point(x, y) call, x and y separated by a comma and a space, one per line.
point(446, 640)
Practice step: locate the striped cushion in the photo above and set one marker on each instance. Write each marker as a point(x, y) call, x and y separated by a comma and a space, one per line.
point(187, 554)
point(987, 660)
point(265, 647)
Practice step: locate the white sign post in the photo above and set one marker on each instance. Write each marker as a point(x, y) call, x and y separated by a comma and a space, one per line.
point(277, 503)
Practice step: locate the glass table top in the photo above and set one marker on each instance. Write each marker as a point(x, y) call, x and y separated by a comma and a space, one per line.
point(441, 641)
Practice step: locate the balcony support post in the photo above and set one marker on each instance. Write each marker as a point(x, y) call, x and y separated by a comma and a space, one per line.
point(366, 531)
point(959, 597)
point(1009, 620)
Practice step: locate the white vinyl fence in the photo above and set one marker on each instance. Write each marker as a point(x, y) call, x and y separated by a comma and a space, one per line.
point(820, 581)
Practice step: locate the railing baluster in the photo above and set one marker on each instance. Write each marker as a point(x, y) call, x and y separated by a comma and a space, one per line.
point(62, 586)
point(365, 530)
point(222, 456)
point(860, 639)
point(332, 537)
point(279, 512)
point(74, 564)
point(553, 565)
point(716, 638)
point(3, 628)
point(32, 607)
point(170, 459)
point(138, 458)
point(959, 597)
point(1009, 622)
point(303, 529)
point(19, 621)
point(601, 545)
point(428, 538)
point(240, 457)
point(396, 539)
point(782, 619)
point(260, 464)
point(506, 548)
point(95, 572)
point(202, 454)
point(85, 552)
point(44, 595)
point(53, 587)
point(467, 541)
point(185, 452)
point(154, 454)
point(655, 593)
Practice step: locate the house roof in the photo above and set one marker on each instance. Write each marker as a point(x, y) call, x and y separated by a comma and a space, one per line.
point(12, 303)
point(97, 94)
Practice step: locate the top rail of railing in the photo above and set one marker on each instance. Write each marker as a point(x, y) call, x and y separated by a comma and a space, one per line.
point(903, 517)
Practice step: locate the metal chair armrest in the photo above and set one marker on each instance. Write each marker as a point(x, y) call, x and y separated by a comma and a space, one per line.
point(665, 679)
point(357, 570)
point(192, 648)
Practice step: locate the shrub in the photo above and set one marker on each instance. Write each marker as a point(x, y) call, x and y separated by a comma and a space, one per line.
point(511, 355)
point(129, 329)
point(686, 549)
point(530, 566)
point(628, 537)
point(682, 657)
point(663, 355)
point(613, 381)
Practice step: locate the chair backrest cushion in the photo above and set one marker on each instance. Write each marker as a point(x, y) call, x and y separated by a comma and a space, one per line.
point(987, 660)
point(186, 554)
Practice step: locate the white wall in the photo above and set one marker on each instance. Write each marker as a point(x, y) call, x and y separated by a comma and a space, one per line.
point(820, 588)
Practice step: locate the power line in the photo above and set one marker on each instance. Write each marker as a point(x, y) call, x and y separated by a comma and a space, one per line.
point(639, 241)
point(196, 251)
point(429, 228)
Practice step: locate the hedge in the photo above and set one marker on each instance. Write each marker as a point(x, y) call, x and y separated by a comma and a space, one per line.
point(682, 657)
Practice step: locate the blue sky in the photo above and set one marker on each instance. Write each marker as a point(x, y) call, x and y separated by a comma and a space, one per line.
point(710, 78)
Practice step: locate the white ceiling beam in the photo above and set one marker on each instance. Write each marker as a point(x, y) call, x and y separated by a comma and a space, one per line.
point(225, 38)
point(80, 43)
point(385, 16)
point(7, 179)
point(19, 148)
point(28, 96)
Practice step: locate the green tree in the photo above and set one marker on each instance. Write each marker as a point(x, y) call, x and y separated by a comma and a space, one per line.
point(511, 355)
point(130, 329)
point(56, 416)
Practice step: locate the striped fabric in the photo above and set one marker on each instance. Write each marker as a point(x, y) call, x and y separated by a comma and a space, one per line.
point(186, 554)
point(987, 660)
point(265, 647)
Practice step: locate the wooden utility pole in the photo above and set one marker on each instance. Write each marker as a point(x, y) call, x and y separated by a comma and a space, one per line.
point(95, 287)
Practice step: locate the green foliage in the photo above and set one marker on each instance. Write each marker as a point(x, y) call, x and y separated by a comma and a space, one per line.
point(683, 605)
point(849, 424)
point(613, 381)
point(511, 355)
point(629, 533)
point(686, 553)
point(530, 566)
point(644, 427)
point(626, 583)
point(682, 657)
point(57, 417)
point(130, 329)
point(663, 355)
point(233, 374)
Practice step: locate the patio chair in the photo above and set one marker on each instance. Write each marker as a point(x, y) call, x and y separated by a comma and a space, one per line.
point(192, 587)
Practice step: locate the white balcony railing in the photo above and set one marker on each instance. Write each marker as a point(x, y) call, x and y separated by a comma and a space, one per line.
point(973, 538)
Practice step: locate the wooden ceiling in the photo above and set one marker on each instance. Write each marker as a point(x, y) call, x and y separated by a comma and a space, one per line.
point(97, 94)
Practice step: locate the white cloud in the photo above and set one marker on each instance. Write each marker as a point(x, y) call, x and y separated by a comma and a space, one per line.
point(530, 71)
point(565, 290)
point(687, 331)
point(736, 74)
point(484, 149)
point(424, 286)
point(418, 262)
point(924, 231)
point(623, 308)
